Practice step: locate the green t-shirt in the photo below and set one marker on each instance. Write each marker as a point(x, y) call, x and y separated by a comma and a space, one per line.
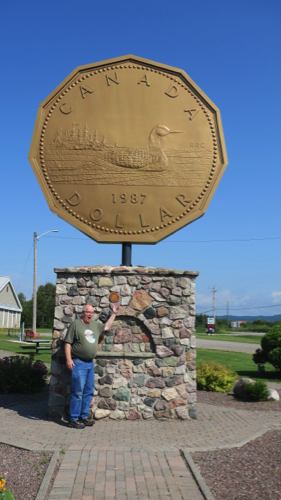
point(84, 339)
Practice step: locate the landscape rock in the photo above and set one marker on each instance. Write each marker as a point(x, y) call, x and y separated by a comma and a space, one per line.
point(140, 300)
point(138, 380)
point(156, 382)
point(238, 388)
point(106, 379)
point(273, 395)
point(117, 415)
point(163, 414)
point(147, 413)
point(182, 413)
point(160, 405)
point(170, 394)
point(123, 394)
point(133, 415)
point(107, 404)
point(99, 414)
point(119, 382)
point(177, 402)
point(122, 335)
point(163, 352)
point(105, 392)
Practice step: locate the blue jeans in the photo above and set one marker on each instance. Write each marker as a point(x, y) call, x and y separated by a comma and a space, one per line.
point(82, 389)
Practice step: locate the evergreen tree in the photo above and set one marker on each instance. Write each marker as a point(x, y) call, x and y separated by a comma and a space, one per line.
point(45, 307)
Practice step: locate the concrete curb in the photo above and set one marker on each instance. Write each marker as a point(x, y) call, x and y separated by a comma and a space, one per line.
point(197, 476)
point(48, 476)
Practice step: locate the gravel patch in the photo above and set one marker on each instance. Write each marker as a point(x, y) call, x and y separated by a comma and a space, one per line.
point(250, 472)
point(231, 401)
point(23, 470)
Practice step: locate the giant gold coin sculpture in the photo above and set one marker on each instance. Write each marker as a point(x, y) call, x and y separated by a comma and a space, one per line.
point(128, 150)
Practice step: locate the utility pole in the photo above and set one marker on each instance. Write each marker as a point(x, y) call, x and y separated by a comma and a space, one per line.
point(214, 303)
point(227, 313)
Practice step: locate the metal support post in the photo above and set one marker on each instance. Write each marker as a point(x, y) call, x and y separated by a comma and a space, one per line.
point(126, 254)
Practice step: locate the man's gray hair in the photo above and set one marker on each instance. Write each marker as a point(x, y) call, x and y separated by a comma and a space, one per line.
point(84, 307)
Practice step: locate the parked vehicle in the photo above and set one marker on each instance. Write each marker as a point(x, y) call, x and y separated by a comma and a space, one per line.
point(210, 327)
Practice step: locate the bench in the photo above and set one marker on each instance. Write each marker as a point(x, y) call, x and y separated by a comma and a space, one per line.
point(31, 334)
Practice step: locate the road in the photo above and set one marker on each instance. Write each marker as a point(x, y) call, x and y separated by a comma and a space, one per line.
point(224, 345)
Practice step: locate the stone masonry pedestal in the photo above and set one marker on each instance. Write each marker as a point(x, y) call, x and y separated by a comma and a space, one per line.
point(145, 367)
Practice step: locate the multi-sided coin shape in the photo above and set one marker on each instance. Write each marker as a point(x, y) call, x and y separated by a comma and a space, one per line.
point(128, 150)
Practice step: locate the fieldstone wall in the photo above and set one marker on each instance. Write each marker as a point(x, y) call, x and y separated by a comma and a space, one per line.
point(145, 366)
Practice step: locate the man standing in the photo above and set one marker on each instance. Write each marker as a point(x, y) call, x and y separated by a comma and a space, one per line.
point(81, 345)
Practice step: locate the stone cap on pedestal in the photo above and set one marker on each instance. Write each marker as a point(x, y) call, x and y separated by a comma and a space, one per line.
point(160, 271)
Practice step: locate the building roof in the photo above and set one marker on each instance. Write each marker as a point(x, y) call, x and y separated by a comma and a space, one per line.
point(4, 281)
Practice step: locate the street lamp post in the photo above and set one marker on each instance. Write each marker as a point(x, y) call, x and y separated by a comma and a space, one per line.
point(36, 238)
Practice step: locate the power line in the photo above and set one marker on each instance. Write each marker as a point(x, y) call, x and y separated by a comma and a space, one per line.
point(181, 241)
point(17, 287)
point(256, 307)
point(242, 308)
point(221, 241)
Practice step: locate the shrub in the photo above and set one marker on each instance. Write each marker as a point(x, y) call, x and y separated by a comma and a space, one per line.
point(271, 348)
point(259, 357)
point(215, 377)
point(274, 357)
point(257, 391)
point(271, 340)
point(19, 374)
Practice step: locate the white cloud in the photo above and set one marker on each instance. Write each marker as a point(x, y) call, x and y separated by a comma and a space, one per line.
point(276, 297)
point(235, 301)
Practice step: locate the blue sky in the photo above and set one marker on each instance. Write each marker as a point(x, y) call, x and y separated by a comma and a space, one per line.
point(232, 51)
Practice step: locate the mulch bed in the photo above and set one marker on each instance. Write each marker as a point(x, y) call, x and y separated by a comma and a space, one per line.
point(23, 470)
point(229, 400)
point(252, 472)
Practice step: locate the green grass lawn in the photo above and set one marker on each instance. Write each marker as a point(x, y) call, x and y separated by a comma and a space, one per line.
point(239, 362)
point(248, 339)
point(5, 345)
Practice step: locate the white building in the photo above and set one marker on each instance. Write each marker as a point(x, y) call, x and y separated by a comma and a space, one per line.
point(10, 306)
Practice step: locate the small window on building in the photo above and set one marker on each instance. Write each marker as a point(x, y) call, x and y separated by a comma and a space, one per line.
point(7, 288)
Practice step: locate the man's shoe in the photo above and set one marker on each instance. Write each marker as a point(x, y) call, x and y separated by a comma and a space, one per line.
point(75, 424)
point(87, 421)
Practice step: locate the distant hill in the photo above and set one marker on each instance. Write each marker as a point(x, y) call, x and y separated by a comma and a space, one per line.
point(276, 317)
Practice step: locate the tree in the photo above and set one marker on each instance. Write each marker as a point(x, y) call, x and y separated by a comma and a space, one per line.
point(22, 298)
point(201, 319)
point(45, 307)
point(46, 295)
point(26, 317)
point(271, 348)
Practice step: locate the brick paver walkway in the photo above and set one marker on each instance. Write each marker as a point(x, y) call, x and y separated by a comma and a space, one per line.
point(126, 460)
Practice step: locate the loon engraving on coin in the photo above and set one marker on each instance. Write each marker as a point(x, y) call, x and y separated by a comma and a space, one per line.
point(128, 150)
